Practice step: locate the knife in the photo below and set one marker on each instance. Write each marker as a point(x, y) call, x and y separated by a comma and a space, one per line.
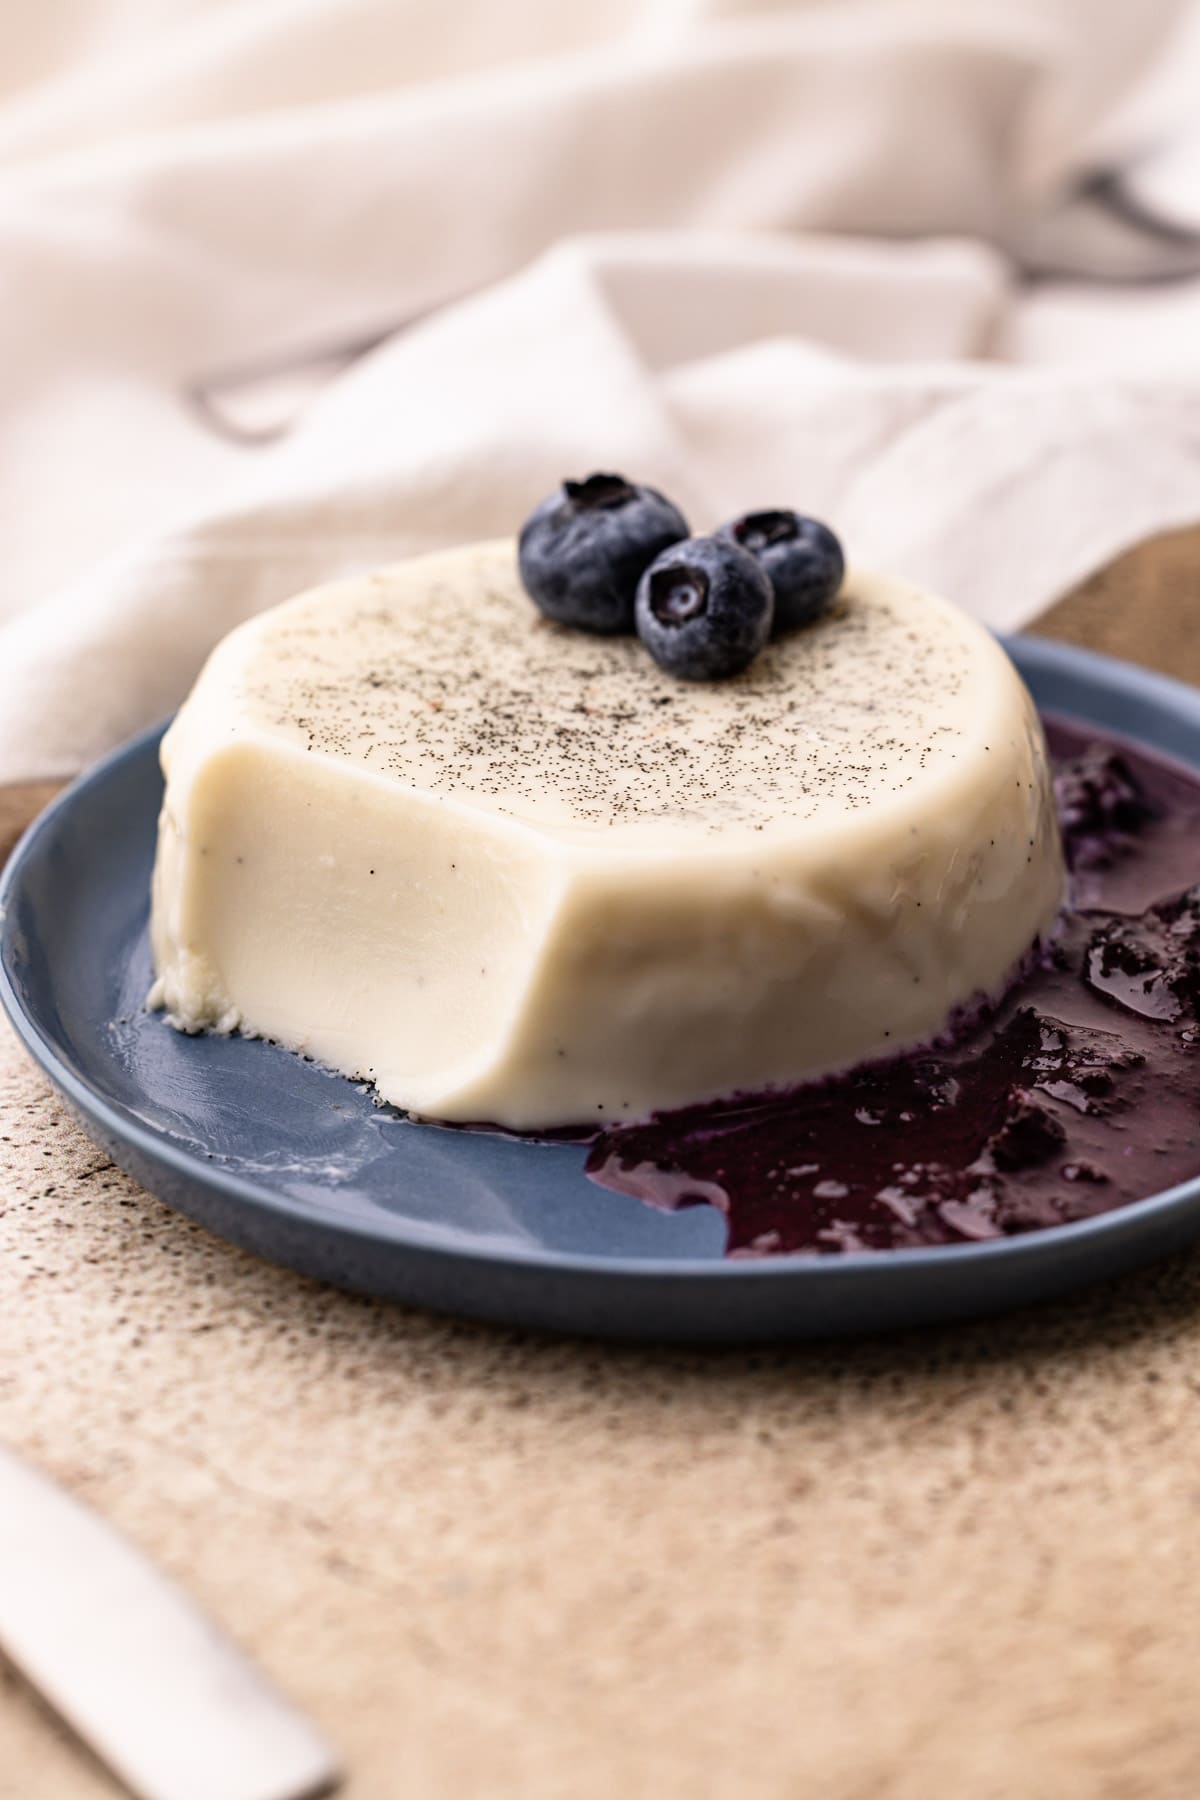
point(165, 1699)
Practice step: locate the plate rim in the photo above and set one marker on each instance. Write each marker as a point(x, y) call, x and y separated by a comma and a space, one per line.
point(429, 1241)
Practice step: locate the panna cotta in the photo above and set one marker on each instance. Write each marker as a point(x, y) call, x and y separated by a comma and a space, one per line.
point(510, 872)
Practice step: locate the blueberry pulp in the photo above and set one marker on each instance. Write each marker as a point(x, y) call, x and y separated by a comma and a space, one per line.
point(704, 609)
point(802, 559)
point(1079, 1093)
point(1100, 806)
point(583, 550)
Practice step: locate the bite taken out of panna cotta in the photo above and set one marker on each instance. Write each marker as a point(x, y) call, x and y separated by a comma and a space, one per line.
point(511, 872)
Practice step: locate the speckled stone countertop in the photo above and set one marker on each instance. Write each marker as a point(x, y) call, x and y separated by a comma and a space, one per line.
point(960, 1565)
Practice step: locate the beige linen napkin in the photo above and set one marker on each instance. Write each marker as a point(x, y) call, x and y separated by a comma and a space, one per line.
point(841, 256)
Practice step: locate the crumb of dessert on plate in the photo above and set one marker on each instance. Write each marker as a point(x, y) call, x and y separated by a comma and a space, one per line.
point(507, 870)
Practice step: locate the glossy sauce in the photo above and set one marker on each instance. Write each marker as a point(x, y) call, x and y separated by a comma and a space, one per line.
point(1079, 1093)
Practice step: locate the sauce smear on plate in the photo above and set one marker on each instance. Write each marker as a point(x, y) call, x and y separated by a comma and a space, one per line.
point(1079, 1093)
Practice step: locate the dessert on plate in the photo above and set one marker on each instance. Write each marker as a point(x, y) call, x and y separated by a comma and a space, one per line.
point(613, 821)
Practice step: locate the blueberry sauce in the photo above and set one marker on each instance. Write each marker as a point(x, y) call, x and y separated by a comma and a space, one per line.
point(1079, 1093)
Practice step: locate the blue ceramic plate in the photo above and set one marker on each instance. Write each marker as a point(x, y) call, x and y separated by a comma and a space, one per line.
point(298, 1165)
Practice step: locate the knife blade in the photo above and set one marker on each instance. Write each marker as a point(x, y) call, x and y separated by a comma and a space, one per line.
point(163, 1697)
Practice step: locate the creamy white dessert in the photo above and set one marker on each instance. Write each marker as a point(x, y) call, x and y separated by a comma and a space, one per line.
point(511, 872)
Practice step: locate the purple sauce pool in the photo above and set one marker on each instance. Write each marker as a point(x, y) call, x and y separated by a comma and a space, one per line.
point(1079, 1093)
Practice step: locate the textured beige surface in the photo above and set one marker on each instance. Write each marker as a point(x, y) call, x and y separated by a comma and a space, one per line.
point(955, 1566)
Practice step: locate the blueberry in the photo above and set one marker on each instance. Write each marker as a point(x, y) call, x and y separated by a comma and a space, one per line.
point(802, 557)
point(583, 549)
point(704, 609)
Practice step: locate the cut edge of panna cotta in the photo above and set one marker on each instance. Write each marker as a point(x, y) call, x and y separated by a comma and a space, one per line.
point(507, 872)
